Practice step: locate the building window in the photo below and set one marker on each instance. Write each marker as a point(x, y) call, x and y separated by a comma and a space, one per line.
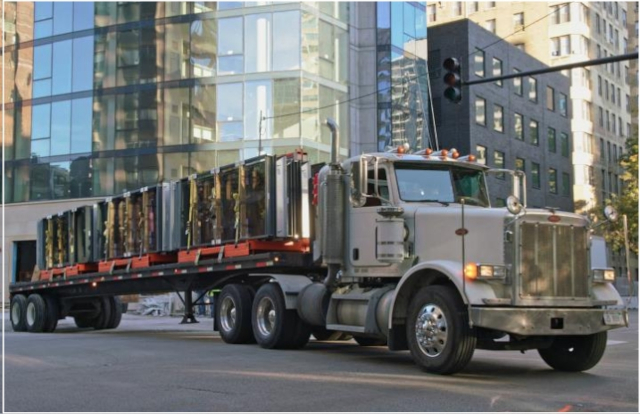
point(491, 5)
point(561, 14)
point(498, 160)
point(457, 8)
point(478, 62)
point(518, 21)
point(535, 175)
point(566, 184)
point(599, 85)
point(520, 164)
point(497, 70)
point(533, 132)
point(517, 84)
point(533, 89)
point(602, 153)
point(498, 118)
point(473, 7)
point(490, 25)
point(562, 104)
point(481, 154)
point(481, 111)
point(517, 124)
point(431, 12)
point(551, 98)
point(553, 181)
point(564, 144)
point(551, 139)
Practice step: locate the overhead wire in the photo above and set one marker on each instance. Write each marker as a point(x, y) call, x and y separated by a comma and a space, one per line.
point(502, 39)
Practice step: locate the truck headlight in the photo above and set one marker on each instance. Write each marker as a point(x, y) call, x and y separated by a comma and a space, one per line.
point(485, 272)
point(604, 275)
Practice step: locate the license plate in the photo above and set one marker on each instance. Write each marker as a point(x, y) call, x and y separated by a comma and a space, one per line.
point(613, 318)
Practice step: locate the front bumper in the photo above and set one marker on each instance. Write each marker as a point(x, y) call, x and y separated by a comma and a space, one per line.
point(544, 321)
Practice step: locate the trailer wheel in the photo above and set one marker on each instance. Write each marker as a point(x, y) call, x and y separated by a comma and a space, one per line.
point(102, 321)
point(438, 333)
point(366, 341)
point(52, 314)
point(18, 313)
point(275, 327)
point(233, 314)
point(116, 312)
point(36, 317)
point(575, 353)
point(84, 322)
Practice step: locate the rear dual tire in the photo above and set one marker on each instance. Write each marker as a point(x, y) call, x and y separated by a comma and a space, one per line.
point(35, 313)
point(108, 317)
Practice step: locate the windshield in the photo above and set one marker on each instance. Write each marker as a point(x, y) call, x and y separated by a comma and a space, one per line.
point(441, 183)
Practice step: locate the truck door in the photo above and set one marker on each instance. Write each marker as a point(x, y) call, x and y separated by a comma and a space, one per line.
point(362, 223)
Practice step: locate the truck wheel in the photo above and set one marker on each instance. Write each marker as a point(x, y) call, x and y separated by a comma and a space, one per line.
point(52, 314)
point(274, 327)
point(36, 313)
point(575, 353)
point(116, 312)
point(84, 322)
point(366, 341)
point(438, 332)
point(102, 321)
point(234, 314)
point(18, 313)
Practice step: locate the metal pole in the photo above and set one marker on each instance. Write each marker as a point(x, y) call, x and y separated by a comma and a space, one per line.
point(626, 248)
point(260, 134)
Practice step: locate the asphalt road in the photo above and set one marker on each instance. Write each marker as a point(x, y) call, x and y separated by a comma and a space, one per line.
point(155, 364)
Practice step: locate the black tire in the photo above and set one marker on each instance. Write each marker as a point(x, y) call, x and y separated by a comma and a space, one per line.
point(125, 307)
point(116, 312)
point(452, 340)
point(575, 353)
point(102, 321)
point(233, 314)
point(323, 334)
point(275, 327)
point(36, 314)
point(52, 313)
point(366, 341)
point(18, 313)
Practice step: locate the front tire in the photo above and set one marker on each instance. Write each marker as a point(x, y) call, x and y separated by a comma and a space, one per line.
point(18, 313)
point(233, 314)
point(438, 332)
point(575, 353)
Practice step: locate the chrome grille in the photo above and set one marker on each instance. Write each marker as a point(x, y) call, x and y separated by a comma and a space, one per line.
point(553, 261)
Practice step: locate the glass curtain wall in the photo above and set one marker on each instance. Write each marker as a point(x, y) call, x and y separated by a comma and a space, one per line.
point(106, 97)
point(403, 98)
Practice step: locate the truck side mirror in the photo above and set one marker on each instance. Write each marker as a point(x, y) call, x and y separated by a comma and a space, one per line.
point(359, 180)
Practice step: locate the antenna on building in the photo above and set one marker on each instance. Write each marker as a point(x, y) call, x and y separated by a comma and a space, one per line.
point(260, 134)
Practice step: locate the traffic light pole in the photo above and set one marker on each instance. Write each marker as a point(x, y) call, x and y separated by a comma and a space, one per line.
point(594, 62)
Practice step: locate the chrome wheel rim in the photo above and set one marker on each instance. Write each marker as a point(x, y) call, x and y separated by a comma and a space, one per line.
point(431, 330)
point(15, 313)
point(228, 314)
point(31, 314)
point(266, 316)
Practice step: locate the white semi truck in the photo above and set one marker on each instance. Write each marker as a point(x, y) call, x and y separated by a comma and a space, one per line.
point(402, 250)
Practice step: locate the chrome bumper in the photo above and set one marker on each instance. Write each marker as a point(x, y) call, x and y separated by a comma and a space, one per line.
point(538, 321)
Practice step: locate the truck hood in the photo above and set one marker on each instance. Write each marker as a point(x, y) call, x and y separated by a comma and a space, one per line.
point(436, 239)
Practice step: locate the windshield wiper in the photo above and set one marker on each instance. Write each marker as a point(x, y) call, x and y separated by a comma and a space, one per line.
point(444, 203)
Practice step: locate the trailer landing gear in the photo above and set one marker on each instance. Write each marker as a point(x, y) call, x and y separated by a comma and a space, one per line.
point(188, 316)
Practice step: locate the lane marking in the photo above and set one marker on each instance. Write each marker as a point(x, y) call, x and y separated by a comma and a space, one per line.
point(612, 342)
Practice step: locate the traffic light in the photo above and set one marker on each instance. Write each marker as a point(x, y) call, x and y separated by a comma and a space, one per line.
point(453, 80)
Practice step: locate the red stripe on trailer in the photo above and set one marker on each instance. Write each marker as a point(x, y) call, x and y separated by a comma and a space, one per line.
point(233, 267)
point(262, 264)
point(202, 269)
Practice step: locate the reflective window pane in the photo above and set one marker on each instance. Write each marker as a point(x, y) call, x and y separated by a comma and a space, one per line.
point(60, 178)
point(230, 36)
point(40, 182)
point(41, 121)
point(40, 147)
point(229, 102)
point(383, 15)
point(62, 64)
point(43, 28)
point(203, 118)
point(43, 10)
point(230, 131)
point(286, 108)
point(61, 127)
point(81, 117)
point(203, 48)
point(176, 116)
point(409, 21)
point(309, 43)
point(257, 102)
point(62, 17)
point(82, 15)
point(80, 184)
point(230, 65)
point(257, 43)
point(226, 5)
point(286, 40)
point(176, 53)
point(42, 62)
point(42, 88)
point(397, 21)
point(82, 66)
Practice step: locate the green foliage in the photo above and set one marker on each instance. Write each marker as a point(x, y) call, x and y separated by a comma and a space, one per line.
point(625, 204)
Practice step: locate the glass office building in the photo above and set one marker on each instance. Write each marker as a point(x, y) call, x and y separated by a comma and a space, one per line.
point(107, 97)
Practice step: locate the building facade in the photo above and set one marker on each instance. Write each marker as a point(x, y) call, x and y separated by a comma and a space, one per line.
point(106, 97)
point(520, 124)
point(558, 33)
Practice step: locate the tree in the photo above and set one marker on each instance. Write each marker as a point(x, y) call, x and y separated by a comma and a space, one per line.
point(626, 203)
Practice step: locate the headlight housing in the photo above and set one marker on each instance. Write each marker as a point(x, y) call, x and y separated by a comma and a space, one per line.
point(604, 275)
point(481, 271)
